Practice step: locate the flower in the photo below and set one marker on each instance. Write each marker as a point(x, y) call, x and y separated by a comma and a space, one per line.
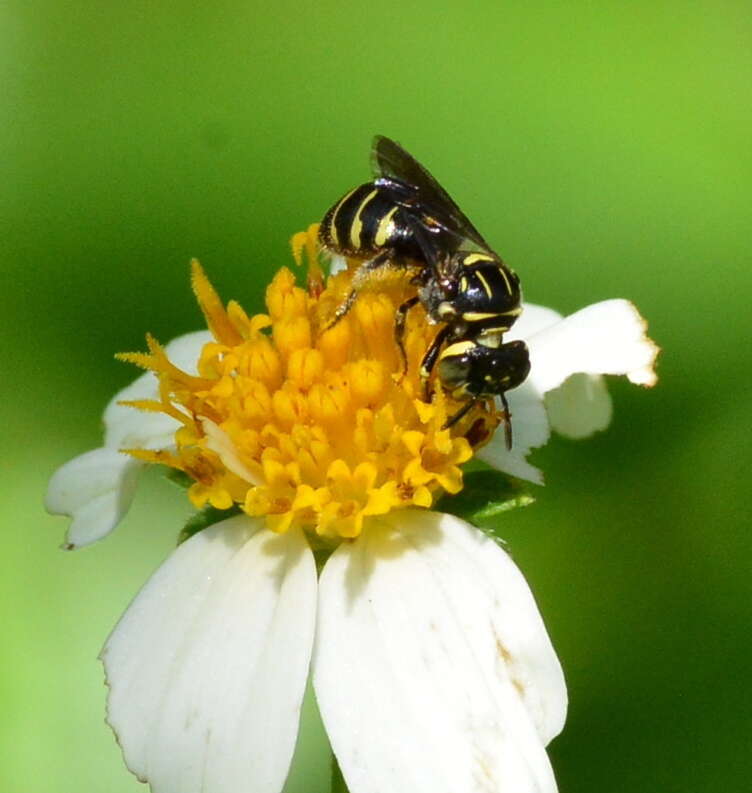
point(431, 664)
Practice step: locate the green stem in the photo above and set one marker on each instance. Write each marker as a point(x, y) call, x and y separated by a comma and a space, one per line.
point(338, 781)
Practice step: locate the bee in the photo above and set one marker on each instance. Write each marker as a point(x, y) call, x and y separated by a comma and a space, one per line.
point(405, 219)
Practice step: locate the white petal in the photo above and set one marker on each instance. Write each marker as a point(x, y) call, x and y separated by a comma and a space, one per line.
point(184, 351)
point(128, 428)
point(605, 338)
point(207, 667)
point(532, 320)
point(432, 667)
point(529, 430)
point(337, 264)
point(580, 406)
point(96, 490)
point(567, 358)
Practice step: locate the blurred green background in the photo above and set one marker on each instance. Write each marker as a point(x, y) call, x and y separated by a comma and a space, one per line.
point(603, 148)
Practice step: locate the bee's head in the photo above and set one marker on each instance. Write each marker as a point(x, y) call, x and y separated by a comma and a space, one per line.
point(512, 362)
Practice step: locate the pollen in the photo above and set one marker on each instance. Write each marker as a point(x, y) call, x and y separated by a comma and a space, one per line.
point(309, 421)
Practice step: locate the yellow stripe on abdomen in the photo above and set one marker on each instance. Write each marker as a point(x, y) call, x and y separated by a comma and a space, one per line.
point(382, 232)
point(357, 225)
point(333, 219)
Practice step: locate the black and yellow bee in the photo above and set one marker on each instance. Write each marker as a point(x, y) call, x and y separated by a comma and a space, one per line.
point(405, 219)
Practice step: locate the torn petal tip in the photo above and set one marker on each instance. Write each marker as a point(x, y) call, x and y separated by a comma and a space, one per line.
point(645, 377)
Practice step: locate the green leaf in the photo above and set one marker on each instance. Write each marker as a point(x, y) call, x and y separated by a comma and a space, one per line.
point(205, 517)
point(487, 494)
point(338, 781)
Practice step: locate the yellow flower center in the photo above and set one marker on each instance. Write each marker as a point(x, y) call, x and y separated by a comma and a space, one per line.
point(306, 422)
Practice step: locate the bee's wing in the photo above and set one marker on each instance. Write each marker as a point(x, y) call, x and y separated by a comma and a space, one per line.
point(424, 195)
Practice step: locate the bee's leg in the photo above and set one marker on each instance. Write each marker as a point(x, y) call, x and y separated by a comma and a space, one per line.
point(342, 309)
point(360, 278)
point(507, 422)
point(460, 413)
point(431, 355)
point(399, 328)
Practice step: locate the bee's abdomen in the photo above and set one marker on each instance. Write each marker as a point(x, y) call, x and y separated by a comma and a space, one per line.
point(365, 222)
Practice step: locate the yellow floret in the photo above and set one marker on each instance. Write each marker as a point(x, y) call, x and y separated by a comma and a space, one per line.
point(306, 421)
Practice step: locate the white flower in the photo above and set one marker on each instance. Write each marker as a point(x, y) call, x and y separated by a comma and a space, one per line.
point(430, 662)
